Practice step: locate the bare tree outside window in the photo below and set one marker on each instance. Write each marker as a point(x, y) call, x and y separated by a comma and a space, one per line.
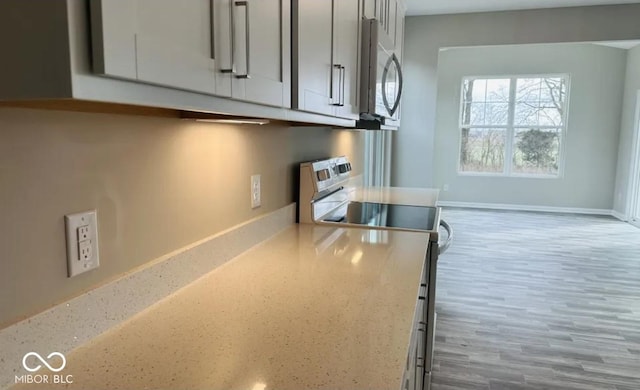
point(522, 116)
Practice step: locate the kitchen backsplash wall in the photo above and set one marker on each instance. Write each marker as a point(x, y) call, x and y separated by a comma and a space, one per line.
point(158, 184)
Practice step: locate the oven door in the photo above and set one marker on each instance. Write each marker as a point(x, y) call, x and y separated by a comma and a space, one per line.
point(388, 84)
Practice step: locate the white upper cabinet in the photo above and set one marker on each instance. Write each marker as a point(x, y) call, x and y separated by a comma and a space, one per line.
point(261, 46)
point(163, 42)
point(114, 38)
point(390, 15)
point(174, 43)
point(399, 36)
point(347, 31)
point(230, 48)
point(325, 56)
point(369, 8)
point(312, 56)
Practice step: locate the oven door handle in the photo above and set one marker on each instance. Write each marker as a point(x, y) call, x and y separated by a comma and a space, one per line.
point(443, 248)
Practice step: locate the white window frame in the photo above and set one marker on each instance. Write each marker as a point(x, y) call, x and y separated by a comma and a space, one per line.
point(510, 127)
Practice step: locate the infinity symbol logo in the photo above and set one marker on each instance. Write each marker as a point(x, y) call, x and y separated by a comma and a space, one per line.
point(37, 356)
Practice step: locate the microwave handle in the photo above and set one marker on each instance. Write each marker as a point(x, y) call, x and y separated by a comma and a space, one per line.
point(392, 109)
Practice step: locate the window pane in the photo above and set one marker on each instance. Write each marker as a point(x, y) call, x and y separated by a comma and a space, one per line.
point(549, 117)
point(539, 101)
point(482, 150)
point(536, 151)
point(485, 102)
point(496, 114)
point(525, 114)
point(473, 113)
point(474, 90)
point(498, 90)
point(528, 90)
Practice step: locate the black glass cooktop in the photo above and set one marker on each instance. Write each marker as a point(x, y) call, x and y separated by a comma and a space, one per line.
point(385, 215)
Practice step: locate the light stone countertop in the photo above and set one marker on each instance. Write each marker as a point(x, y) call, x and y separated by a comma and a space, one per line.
point(313, 307)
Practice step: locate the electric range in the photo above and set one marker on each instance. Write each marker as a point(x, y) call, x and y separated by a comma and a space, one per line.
point(328, 197)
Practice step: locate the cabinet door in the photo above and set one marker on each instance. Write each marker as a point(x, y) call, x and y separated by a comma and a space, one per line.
point(391, 20)
point(174, 45)
point(113, 38)
point(163, 42)
point(313, 52)
point(385, 12)
point(261, 34)
point(346, 33)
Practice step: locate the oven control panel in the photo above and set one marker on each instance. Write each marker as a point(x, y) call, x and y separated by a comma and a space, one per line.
point(327, 173)
point(320, 185)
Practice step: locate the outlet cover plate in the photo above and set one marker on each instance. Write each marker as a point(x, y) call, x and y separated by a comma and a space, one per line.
point(82, 232)
point(255, 192)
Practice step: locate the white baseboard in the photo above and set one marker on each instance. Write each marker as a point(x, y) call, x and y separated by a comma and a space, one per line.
point(620, 216)
point(521, 207)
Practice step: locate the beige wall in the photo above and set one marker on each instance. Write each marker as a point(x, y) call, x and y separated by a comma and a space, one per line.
point(158, 184)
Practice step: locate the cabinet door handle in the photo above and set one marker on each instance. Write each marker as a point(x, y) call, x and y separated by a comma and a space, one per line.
point(332, 89)
point(232, 33)
point(443, 248)
point(212, 30)
point(247, 26)
point(343, 76)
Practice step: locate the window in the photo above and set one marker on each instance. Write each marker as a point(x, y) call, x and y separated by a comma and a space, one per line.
point(513, 126)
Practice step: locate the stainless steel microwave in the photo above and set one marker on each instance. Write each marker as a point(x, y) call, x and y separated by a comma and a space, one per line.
point(381, 78)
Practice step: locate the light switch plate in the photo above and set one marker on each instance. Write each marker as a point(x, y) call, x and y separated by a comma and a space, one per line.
point(82, 242)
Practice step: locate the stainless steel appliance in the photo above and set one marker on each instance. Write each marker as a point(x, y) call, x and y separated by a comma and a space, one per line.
point(381, 79)
point(326, 197)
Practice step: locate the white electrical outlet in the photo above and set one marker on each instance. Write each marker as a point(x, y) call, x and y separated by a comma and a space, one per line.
point(83, 233)
point(255, 191)
point(85, 252)
point(82, 242)
point(445, 187)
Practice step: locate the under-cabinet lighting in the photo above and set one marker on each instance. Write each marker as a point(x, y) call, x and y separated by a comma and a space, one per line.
point(242, 121)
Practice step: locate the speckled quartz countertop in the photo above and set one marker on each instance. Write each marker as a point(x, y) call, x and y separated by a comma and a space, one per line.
point(314, 307)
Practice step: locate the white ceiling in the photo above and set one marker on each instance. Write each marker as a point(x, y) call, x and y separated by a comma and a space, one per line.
point(435, 7)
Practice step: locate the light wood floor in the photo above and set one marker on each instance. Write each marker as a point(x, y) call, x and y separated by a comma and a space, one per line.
point(538, 301)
